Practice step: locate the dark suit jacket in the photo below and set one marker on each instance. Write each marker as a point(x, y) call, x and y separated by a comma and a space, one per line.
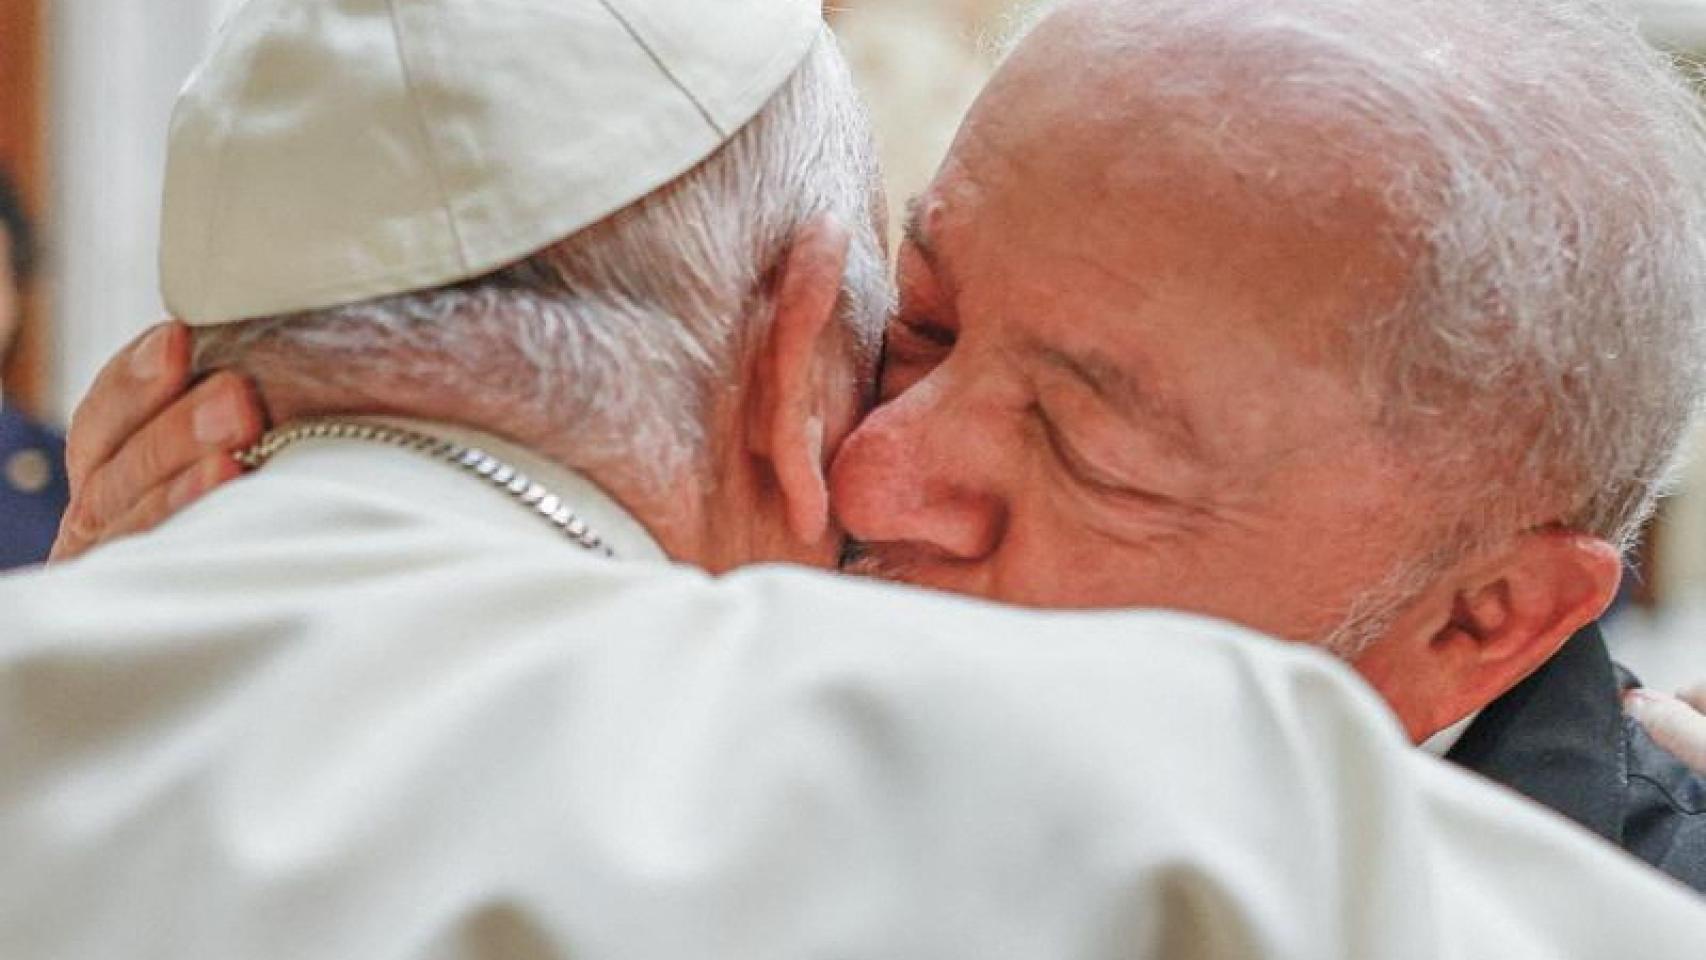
point(1561, 738)
point(33, 491)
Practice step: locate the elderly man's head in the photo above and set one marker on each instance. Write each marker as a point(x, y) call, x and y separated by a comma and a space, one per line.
point(701, 352)
point(1373, 324)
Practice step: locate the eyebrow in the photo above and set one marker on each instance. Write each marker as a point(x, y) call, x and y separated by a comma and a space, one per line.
point(914, 233)
point(1122, 392)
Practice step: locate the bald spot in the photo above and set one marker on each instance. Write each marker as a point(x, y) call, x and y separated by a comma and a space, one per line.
point(1179, 146)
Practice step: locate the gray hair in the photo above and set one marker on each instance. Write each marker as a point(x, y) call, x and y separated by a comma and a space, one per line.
point(629, 330)
point(1557, 309)
point(1545, 174)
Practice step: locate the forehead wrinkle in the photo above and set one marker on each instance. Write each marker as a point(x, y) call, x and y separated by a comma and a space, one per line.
point(1126, 396)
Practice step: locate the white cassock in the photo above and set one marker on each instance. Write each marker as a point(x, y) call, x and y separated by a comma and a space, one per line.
point(362, 706)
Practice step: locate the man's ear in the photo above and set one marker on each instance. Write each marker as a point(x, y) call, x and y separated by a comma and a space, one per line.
point(799, 364)
point(1484, 629)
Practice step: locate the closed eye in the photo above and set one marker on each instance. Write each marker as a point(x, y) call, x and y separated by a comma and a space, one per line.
point(924, 332)
point(1091, 477)
point(914, 348)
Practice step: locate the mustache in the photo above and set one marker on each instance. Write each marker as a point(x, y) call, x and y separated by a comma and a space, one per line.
point(882, 561)
point(852, 553)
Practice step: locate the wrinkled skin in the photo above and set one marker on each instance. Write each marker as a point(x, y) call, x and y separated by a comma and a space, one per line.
point(1079, 413)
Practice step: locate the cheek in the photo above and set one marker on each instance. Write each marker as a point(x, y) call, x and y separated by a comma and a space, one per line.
point(1052, 558)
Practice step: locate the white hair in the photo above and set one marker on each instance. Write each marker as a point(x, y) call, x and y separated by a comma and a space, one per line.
point(1546, 174)
point(626, 332)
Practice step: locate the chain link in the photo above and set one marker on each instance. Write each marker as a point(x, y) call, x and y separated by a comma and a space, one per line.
point(472, 460)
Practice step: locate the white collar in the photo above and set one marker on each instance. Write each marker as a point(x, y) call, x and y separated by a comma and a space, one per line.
point(446, 488)
point(1441, 743)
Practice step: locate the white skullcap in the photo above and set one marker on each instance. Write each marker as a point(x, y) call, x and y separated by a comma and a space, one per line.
point(334, 151)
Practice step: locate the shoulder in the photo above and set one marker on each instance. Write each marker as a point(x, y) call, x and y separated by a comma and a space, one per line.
point(1671, 782)
point(1665, 822)
point(1657, 774)
point(18, 429)
point(912, 636)
point(32, 458)
point(33, 488)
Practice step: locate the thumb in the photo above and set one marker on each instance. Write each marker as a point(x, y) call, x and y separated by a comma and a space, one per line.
point(1674, 724)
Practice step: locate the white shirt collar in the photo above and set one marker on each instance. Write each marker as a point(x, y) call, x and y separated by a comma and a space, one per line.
point(1441, 743)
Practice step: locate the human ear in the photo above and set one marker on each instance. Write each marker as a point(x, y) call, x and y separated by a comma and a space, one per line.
point(1486, 628)
point(798, 365)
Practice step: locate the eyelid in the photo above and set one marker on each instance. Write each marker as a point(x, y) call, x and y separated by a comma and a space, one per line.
point(910, 350)
point(919, 276)
point(1082, 469)
point(930, 331)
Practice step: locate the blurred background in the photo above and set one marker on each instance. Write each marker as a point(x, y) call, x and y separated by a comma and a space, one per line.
point(86, 88)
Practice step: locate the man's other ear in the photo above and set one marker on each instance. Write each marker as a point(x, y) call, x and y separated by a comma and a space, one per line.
point(1480, 630)
point(802, 404)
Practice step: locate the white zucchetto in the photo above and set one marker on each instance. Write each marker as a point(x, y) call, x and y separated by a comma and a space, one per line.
point(333, 151)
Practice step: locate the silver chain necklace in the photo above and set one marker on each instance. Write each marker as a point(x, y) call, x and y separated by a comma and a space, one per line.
point(512, 482)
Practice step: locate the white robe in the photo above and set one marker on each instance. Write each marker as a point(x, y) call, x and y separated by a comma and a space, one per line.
point(362, 707)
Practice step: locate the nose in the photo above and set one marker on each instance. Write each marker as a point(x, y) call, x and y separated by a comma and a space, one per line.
point(920, 471)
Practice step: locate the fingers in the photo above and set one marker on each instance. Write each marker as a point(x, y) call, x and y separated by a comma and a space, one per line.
point(1676, 725)
point(221, 415)
point(167, 499)
point(1695, 696)
point(145, 477)
point(135, 385)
